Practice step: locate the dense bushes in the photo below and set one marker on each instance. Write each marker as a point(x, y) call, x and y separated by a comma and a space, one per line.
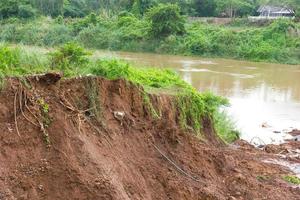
point(16, 8)
point(16, 61)
point(8, 58)
point(165, 19)
point(277, 42)
point(71, 56)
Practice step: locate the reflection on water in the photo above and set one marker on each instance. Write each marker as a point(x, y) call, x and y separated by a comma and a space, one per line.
point(259, 92)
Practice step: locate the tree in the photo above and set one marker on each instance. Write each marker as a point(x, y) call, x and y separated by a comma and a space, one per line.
point(295, 5)
point(15, 8)
point(74, 8)
point(205, 8)
point(8, 8)
point(49, 7)
point(165, 20)
point(232, 8)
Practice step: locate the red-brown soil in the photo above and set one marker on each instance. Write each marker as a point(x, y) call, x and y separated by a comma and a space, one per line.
point(116, 158)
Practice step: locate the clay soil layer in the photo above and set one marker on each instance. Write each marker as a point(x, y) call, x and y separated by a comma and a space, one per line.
point(90, 138)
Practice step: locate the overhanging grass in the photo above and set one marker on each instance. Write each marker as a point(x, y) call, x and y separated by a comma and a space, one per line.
point(192, 105)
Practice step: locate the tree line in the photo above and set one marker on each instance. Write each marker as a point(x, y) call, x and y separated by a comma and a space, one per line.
point(81, 8)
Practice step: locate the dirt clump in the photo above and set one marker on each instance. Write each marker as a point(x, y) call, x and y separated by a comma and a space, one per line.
point(64, 141)
point(295, 132)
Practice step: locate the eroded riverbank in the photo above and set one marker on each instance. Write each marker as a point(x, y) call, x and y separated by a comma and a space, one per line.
point(120, 156)
point(260, 93)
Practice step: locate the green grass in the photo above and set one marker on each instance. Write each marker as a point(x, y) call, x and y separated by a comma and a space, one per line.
point(192, 105)
point(225, 127)
point(278, 42)
point(292, 179)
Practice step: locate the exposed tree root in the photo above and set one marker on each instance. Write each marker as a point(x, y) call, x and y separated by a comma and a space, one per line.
point(80, 117)
point(15, 114)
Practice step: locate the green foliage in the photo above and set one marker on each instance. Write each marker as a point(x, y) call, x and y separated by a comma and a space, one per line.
point(82, 8)
point(277, 42)
point(74, 8)
point(57, 35)
point(26, 11)
point(59, 19)
point(165, 20)
point(232, 8)
point(16, 61)
point(292, 179)
point(69, 56)
point(8, 59)
point(72, 61)
point(111, 69)
point(192, 105)
point(205, 7)
point(16, 8)
point(225, 127)
point(131, 28)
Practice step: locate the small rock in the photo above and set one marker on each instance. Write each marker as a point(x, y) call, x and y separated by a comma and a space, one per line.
point(238, 193)
point(41, 187)
point(119, 115)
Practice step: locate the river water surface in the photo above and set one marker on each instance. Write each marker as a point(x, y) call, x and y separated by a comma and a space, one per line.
point(264, 97)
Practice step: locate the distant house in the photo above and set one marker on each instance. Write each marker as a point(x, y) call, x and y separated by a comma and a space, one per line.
point(268, 11)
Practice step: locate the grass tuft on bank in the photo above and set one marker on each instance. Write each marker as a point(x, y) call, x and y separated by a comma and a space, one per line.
point(73, 60)
point(292, 179)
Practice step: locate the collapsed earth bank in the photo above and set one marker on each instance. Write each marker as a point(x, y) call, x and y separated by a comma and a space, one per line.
point(91, 138)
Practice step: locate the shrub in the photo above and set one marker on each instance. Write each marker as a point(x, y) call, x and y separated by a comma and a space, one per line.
point(26, 11)
point(131, 28)
point(165, 20)
point(111, 69)
point(225, 127)
point(8, 33)
point(9, 59)
point(96, 37)
point(32, 34)
point(197, 44)
point(69, 56)
point(57, 35)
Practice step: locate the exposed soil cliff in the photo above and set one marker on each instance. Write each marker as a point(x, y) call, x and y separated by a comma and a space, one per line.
point(90, 138)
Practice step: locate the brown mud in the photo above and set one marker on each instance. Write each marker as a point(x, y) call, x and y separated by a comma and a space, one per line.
point(90, 138)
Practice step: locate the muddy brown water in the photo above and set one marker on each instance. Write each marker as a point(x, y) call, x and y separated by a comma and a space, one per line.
point(261, 94)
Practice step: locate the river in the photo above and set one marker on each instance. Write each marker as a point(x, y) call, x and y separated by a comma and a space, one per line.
point(264, 97)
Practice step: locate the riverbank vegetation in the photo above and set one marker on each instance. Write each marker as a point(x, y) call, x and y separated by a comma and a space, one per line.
point(72, 60)
point(160, 28)
point(292, 179)
point(82, 8)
